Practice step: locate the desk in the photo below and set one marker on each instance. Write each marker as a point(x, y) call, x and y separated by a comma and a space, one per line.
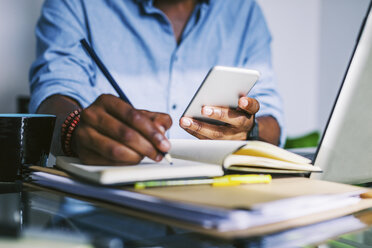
point(27, 215)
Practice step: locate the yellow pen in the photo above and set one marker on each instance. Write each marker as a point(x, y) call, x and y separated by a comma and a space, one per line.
point(229, 180)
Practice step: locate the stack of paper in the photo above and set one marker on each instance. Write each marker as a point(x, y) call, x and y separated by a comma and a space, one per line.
point(222, 209)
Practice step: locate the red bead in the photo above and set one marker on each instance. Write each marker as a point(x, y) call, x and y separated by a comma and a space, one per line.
point(68, 127)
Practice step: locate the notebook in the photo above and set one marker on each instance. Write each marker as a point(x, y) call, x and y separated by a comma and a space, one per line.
point(196, 158)
point(345, 151)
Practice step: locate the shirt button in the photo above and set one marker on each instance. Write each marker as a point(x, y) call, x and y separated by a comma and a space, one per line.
point(174, 106)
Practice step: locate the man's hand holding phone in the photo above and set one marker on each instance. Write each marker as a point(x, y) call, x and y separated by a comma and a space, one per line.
point(220, 108)
point(237, 122)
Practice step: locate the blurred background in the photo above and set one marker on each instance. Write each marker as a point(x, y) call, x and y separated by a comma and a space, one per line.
point(312, 43)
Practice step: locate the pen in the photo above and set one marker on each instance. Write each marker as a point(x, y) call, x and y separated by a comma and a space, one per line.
point(112, 81)
point(229, 180)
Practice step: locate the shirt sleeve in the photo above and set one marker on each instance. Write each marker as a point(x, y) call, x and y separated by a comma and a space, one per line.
point(61, 65)
point(258, 57)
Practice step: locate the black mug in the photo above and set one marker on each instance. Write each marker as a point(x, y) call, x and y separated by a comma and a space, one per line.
point(25, 140)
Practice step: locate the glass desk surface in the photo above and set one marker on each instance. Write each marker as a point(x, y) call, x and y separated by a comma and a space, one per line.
point(40, 218)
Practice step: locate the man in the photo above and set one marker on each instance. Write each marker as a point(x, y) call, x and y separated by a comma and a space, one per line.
point(159, 51)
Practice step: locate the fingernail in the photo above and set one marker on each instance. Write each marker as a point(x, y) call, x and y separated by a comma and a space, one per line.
point(244, 102)
point(158, 158)
point(164, 145)
point(207, 111)
point(161, 129)
point(186, 122)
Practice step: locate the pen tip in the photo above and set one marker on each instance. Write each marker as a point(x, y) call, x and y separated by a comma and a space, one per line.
point(168, 158)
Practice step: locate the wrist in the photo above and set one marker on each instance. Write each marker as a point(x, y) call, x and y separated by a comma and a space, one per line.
point(253, 134)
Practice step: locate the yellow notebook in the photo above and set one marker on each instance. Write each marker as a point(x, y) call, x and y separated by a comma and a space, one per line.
point(249, 156)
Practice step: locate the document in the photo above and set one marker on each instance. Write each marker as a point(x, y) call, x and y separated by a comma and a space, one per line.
point(220, 214)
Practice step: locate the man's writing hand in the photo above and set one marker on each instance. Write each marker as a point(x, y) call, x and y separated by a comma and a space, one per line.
point(113, 132)
point(238, 122)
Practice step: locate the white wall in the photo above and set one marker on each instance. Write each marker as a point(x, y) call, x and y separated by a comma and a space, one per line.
point(312, 42)
point(341, 21)
point(295, 29)
point(17, 49)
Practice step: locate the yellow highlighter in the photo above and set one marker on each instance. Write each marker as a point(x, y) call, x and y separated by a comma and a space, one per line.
point(232, 180)
point(229, 180)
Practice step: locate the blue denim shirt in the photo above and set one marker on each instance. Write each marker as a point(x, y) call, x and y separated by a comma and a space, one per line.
point(136, 42)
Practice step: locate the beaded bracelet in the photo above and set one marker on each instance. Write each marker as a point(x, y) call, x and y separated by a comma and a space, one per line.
point(68, 127)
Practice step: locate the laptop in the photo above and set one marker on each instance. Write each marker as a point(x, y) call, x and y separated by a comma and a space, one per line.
point(345, 150)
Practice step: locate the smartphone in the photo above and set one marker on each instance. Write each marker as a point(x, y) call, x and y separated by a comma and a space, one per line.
point(223, 86)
